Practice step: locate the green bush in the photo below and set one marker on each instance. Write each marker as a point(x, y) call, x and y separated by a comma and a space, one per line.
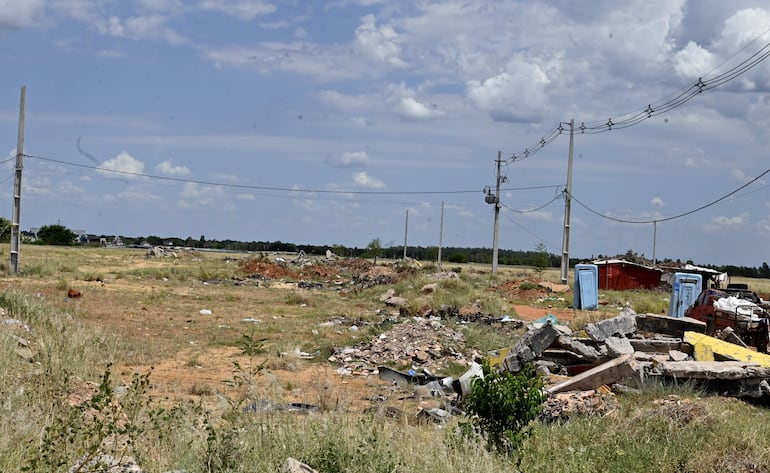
point(502, 405)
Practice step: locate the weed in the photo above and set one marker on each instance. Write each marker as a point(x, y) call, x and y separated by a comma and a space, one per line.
point(502, 405)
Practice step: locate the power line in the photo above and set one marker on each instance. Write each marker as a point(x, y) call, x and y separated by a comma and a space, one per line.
point(535, 209)
point(664, 105)
point(677, 216)
point(252, 187)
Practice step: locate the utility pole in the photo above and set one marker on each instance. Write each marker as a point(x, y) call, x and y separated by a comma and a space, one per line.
point(16, 213)
point(406, 229)
point(654, 242)
point(441, 235)
point(495, 238)
point(567, 205)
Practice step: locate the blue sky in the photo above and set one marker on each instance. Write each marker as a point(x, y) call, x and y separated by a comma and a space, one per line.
point(325, 122)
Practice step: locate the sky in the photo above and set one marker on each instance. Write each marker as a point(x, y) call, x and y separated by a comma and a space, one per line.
point(344, 121)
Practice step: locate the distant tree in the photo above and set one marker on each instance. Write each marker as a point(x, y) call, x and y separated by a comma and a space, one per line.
point(5, 230)
point(374, 249)
point(542, 259)
point(154, 240)
point(56, 235)
point(458, 258)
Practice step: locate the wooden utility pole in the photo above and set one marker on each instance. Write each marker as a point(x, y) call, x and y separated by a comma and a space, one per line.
point(567, 205)
point(16, 213)
point(496, 235)
point(441, 235)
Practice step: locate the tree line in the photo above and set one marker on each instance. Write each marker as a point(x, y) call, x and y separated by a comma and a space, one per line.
point(539, 257)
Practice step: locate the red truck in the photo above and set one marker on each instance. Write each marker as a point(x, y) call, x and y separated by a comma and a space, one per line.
point(737, 308)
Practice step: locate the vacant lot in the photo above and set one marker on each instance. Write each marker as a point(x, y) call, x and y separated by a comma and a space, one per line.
point(205, 350)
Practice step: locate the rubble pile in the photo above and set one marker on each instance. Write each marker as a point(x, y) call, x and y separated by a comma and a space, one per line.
point(375, 276)
point(641, 347)
point(593, 403)
point(418, 342)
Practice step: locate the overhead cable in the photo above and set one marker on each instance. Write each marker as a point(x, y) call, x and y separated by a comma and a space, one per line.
point(673, 217)
point(268, 188)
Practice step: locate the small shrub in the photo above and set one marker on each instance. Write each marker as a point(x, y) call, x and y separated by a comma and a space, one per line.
point(527, 286)
point(502, 405)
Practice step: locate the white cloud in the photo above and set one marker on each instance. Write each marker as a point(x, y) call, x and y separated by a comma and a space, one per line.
point(199, 195)
point(123, 165)
point(350, 159)
point(693, 61)
point(411, 108)
point(515, 96)
point(346, 101)
point(148, 27)
point(378, 43)
point(726, 224)
point(657, 202)
point(15, 14)
point(161, 5)
point(362, 179)
point(137, 195)
point(169, 169)
point(241, 9)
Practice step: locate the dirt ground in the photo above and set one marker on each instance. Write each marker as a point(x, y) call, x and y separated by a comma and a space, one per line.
point(291, 349)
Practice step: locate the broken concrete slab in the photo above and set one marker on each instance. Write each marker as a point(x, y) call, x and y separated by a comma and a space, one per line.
point(713, 370)
point(725, 349)
point(677, 355)
point(660, 345)
point(665, 325)
point(617, 346)
point(529, 347)
point(607, 373)
point(575, 346)
point(624, 324)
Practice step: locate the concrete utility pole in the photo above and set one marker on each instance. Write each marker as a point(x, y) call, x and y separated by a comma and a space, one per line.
point(406, 229)
point(654, 242)
point(16, 213)
point(567, 205)
point(495, 238)
point(441, 235)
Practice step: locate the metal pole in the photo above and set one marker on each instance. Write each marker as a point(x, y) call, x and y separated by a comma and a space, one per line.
point(567, 204)
point(496, 235)
point(16, 213)
point(441, 235)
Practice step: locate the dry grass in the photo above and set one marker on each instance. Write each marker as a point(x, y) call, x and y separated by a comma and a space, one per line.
point(139, 313)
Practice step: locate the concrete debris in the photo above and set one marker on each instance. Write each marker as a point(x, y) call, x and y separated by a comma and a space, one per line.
point(160, 252)
point(633, 347)
point(665, 325)
point(622, 325)
point(419, 342)
point(591, 403)
point(530, 346)
point(610, 372)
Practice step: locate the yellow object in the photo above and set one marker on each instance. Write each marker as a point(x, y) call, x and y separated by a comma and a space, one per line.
point(703, 352)
point(498, 358)
point(725, 349)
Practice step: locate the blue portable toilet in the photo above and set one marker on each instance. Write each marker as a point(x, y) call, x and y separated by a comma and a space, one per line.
point(586, 287)
point(687, 288)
